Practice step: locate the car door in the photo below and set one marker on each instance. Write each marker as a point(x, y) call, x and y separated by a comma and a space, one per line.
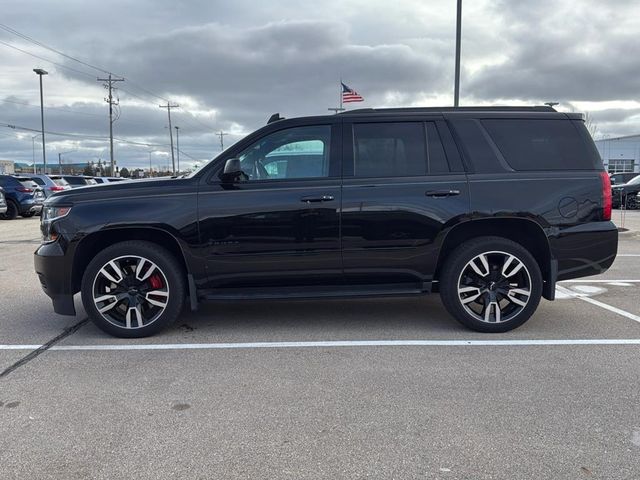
point(279, 226)
point(403, 185)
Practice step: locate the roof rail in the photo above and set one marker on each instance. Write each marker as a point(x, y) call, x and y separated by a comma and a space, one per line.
point(534, 108)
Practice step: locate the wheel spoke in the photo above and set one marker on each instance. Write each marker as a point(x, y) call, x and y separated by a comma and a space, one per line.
point(160, 300)
point(140, 268)
point(484, 264)
point(116, 269)
point(511, 296)
point(487, 312)
point(114, 300)
point(476, 293)
point(515, 269)
point(137, 314)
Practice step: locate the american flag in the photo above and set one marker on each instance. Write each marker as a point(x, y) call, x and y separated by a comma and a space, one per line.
point(350, 95)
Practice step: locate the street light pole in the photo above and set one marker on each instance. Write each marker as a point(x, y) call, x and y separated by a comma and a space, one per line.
point(40, 72)
point(33, 146)
point(456, 89)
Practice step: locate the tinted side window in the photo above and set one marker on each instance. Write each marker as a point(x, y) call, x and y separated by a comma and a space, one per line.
point(389, 149)
point(528, 144)
point(39, 181)
point(300, 152)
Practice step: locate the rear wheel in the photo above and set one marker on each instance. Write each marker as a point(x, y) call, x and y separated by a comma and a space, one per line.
point(133, 289)
point(491, 284)
point(632, 201)
point(12, 211)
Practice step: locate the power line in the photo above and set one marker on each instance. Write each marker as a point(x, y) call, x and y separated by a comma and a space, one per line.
point(68, 110)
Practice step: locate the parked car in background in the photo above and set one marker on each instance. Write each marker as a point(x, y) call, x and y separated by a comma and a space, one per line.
point(108, 179)
point(619, 178)
point(368, 202)
point(79, 180)
point(24, 197)
point(626, 194)
point(51, 183)
point(3, 203)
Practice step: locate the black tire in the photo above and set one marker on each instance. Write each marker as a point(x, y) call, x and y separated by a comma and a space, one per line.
point(632, 201)
point(170, 276)
point(27, 214)
point(458, 271)
point(12, 211)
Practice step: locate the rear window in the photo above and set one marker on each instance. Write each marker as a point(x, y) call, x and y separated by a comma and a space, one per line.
point(529, 144)
point(61, 182)
point(39, 181)
point(28, 183)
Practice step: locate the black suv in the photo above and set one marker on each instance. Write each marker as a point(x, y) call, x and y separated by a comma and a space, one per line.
point(487, 206)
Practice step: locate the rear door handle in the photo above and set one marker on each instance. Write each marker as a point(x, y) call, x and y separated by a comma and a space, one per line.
point(441, 193)
point(319, 198)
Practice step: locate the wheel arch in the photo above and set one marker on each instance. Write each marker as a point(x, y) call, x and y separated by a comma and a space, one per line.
point(94, 242)
point(526, 232)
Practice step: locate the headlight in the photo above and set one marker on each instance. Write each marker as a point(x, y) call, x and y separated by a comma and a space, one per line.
point(50, 215)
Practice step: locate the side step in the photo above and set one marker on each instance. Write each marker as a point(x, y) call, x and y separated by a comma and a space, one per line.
point(298, 292)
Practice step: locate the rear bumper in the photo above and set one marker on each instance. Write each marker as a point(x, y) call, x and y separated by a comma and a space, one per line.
point(584, 250)
point(53, 270)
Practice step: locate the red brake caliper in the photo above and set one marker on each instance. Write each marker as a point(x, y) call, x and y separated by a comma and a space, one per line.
point(156, 282)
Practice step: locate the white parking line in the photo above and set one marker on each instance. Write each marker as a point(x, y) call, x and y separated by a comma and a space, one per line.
point(582, 280)
point(332, 344)
point(606, 306)
point(628, 255)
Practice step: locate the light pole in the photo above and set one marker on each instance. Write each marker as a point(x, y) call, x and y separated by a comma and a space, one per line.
point(33, 145)
point(178, 147)
point(456, 88)
point(40, 72)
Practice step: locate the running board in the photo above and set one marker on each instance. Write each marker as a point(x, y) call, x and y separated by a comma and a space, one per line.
point(339, 291)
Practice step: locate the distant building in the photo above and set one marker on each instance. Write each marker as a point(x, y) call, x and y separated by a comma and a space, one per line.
point(620, 154)
point(7, 167)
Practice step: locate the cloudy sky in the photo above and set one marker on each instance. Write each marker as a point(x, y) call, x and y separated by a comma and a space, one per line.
point(230, 65)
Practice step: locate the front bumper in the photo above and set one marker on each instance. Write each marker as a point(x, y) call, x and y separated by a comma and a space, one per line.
point(584, 250)
point(54, 272)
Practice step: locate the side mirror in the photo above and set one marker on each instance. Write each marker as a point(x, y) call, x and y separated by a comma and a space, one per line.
point(232, 172)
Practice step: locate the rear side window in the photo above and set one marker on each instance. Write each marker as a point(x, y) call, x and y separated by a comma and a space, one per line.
point(529, 144)
point(389, 149)
point(39, 181)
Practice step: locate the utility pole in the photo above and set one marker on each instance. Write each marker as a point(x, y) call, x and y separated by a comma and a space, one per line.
point(109, 85)
point(456, 88)
point(178, 146)
point(150, 168)
point(169, 106)
point(221, 134)
point(33, 145)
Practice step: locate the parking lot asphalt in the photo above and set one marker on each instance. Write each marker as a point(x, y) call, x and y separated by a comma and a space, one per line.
point(211, 398)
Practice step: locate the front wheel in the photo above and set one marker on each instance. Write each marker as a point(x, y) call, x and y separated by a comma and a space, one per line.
point(491, 284)
point(133, 289)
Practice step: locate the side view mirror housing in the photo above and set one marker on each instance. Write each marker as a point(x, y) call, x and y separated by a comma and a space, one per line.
point(232, 172)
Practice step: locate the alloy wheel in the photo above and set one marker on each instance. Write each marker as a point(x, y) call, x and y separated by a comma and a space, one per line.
point(130, 292)
point(494, 287)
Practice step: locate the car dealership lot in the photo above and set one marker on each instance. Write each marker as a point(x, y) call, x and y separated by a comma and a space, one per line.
point(214, 397)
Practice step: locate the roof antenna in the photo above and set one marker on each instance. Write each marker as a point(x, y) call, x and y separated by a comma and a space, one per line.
point(274, 118)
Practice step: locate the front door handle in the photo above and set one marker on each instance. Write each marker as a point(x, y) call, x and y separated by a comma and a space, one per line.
point(442, 193)
point(319, 198)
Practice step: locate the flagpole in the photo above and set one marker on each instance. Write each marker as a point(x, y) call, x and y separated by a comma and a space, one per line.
point(341, 94)
point(341, 108)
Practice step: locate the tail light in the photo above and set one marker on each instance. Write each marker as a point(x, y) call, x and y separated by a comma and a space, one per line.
point(24, 189)
point(606, 196)
point(56, 188)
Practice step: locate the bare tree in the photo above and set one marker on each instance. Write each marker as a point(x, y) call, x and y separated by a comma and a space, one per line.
point(591, 124)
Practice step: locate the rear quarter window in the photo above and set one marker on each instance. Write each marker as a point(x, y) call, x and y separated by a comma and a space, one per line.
point(541, 144)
